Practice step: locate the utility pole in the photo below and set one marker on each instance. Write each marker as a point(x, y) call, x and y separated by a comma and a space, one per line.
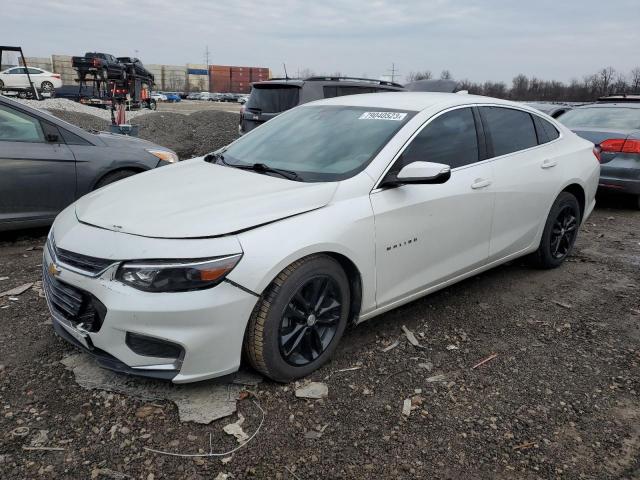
point(393, 72)
point(206, 55)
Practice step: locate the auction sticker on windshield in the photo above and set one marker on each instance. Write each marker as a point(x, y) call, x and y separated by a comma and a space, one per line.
point(395, 116)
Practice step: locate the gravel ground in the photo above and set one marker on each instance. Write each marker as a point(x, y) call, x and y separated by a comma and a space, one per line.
point(189, 135)
point(560, 400)
point(65, 105)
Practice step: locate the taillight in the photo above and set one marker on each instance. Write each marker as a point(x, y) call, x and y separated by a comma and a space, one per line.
point(620, 145)
point(596, 153)
point(55, 75)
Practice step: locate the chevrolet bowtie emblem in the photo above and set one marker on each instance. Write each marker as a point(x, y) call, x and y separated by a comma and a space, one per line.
point(54, 270)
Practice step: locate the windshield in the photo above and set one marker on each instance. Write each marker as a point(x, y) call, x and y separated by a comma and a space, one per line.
point(618, 118)
point(273, 98)
point(319, 143)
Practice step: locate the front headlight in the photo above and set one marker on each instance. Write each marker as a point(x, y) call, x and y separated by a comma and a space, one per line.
point(176, 276)
point(164, 155)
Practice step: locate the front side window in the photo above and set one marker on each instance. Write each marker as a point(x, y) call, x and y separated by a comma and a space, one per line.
point(449, 139)
point(16, 126)
point(510, 130)
point(319, 143)
point(18, 71)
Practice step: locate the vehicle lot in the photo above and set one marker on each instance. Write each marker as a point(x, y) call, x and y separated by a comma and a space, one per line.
point(559, 400)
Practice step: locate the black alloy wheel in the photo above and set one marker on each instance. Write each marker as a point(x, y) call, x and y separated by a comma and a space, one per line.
point(297, 323)
point(310, 320)
point(560, 232)
point(564, 232)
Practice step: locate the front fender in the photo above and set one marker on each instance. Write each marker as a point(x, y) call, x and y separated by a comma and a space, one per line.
point(344, 227)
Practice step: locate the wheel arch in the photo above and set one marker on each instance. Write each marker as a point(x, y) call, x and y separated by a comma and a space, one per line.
point(577, 191)
point(353, 273)
point(135, 169)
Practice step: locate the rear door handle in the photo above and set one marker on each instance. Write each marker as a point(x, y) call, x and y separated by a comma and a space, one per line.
point(480, 183)
point(548, 163)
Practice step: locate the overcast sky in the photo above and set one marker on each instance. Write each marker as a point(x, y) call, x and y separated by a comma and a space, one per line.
point(475, 39)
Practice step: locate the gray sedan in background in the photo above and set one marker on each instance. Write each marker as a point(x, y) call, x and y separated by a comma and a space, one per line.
point(46, 163)
point(613, 125)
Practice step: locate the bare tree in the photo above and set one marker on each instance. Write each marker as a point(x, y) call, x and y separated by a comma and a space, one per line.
point(634, 80)
point(605, 79)
point(423, 75)
point(306, 73)
point(445, 75)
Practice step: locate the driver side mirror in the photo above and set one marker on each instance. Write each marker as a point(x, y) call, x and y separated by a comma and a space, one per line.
point(419, 173)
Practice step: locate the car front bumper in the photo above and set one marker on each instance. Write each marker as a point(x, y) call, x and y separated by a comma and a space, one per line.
point(206, 326)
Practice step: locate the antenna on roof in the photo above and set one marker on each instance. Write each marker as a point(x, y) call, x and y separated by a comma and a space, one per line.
point(286, 77)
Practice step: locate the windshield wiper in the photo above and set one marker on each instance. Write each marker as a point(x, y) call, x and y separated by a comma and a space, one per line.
point(264, 168)
point(254, 167)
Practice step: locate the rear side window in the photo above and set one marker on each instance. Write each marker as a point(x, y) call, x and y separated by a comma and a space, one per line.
point(546, 132)
point(273, 98)
point(509, 130)
point(449, 139)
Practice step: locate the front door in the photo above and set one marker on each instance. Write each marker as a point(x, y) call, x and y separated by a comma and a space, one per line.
point(37, 175)
point(428, 234)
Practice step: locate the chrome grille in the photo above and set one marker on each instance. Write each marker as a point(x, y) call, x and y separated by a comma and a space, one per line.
point(72, 304)
point(77, 261)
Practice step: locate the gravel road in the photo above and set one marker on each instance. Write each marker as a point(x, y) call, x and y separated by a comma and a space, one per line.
point(561, 398)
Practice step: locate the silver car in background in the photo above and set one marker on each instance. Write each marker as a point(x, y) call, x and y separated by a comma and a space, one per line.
point(47, 163)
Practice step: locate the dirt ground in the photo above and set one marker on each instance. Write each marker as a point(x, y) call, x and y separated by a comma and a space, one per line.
point(560, 400)
point(190, 106)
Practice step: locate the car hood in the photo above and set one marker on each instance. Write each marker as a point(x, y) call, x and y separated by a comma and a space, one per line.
point(196, 199)
point(117, 140)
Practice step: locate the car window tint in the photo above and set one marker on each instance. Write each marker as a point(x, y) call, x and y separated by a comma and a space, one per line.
point(623, 118)
point(330, 91)
point(273, 98)
point(16, 126)
point(550, 130)
point(34, 71)
point(510, 130)
point(449, 139)
point(18, 71)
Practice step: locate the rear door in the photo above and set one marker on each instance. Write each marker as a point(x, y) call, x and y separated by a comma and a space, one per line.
point(37, 170)
point(266, 102)
point(428, 234)
point(525, 175)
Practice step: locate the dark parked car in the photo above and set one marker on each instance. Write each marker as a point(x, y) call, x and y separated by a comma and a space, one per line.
point(135, 68)
point(613, 124)
point(102, 65)
point(552, 109)
point(272, 97)
point(46, 163)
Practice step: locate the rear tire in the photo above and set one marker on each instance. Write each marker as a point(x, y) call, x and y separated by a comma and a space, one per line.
point(560, 232)
point(1, 84)
point(296, 325)
point(114, 177)
point(46, 86)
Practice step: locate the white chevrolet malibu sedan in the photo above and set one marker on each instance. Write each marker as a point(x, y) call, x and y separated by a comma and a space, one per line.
point(330, 214)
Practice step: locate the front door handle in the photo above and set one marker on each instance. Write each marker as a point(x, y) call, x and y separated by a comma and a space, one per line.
point(480, 183)
point(548, 163)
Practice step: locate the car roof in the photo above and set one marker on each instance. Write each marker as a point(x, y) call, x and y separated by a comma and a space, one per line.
point(414, 101)
point(612, 104)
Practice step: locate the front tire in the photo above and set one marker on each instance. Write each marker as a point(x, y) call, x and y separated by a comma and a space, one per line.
point(296, 325)
point(560, 232)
